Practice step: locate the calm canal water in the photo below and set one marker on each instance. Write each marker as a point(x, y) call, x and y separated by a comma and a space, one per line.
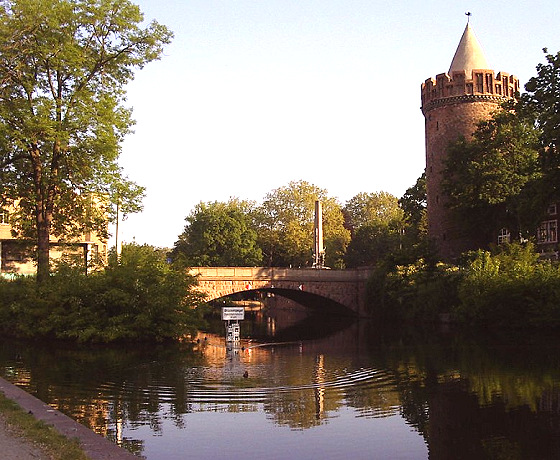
point(301, 388)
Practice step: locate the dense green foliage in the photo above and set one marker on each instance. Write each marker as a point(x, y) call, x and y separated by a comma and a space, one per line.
point(414, 203)
point(63, 69)
point(492, 177)
point(419, 291)
point(541, 104)
point(372, 208)
point(219, 235)
point(510, 288)
point(371, 243)
point(142, 298)
point(377, 224)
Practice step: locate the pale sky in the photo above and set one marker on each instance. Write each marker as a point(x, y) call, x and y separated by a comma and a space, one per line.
point(253, 94)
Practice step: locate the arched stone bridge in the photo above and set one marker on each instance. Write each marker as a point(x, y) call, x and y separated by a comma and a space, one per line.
point(326, 288)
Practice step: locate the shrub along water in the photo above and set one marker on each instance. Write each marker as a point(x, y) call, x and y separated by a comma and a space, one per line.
point(141, 298)
point(508, 288)
point(420, 291)
point(512, 289)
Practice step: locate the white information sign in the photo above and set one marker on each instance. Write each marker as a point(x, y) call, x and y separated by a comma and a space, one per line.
point(233, 313)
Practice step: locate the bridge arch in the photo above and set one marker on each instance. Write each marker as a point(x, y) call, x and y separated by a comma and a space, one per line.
point(338, 287)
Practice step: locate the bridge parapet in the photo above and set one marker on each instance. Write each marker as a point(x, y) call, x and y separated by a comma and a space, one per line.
point(346, 287)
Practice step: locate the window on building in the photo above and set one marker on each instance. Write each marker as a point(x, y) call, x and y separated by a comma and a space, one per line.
point(479, 83)
point(504, 236)
point(552, 210)
point(489, 85)
point(548, 232)
point(4, 216)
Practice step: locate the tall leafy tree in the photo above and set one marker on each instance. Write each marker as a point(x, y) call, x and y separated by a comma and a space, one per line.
point(414, 203)
point(372, 208)
point(63, 68)
point(541, 104)
point(219, 235)
point(377, 223)
point(371, 243)
point(285, 225)
point(491, 178)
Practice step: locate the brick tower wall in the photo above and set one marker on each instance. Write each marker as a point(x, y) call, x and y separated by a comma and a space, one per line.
point(452, 108)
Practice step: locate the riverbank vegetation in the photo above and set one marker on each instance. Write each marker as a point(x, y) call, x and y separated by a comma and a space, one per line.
point(508, 287)
point(141, 297)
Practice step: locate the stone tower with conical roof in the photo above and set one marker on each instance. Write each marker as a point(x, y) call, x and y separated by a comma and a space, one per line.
point(453, 104)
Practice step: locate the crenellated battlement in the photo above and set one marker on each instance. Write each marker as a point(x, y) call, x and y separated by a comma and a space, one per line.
point(483, 84)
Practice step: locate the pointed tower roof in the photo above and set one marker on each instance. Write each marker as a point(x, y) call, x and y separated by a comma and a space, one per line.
point(469, 54)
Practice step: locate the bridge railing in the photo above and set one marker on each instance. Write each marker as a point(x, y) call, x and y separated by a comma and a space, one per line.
point(279, 273)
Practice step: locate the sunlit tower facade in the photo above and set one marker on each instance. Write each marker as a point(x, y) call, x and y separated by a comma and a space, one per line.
point(453, 104)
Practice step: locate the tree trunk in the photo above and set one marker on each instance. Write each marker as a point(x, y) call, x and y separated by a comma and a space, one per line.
point(44, 194)
point(43, 236)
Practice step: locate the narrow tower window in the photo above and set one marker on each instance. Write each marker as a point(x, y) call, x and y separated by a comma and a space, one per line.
point(489, 86)
point(479, 83)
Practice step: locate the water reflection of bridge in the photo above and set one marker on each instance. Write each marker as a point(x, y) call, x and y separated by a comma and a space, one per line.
point(335, 289)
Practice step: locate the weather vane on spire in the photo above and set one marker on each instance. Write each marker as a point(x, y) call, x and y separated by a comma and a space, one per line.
point(468, 14)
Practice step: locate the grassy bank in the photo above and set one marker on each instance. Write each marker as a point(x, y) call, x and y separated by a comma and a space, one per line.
point(50, 441)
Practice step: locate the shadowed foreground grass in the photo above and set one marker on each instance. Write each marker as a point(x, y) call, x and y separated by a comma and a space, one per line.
point(57, 446)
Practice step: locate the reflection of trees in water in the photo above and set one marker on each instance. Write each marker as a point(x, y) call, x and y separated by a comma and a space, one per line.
point(468, 398)
point(303, 400)
point(101, 387)
point(297, 409)
point(476, 399)
point(459, 424)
